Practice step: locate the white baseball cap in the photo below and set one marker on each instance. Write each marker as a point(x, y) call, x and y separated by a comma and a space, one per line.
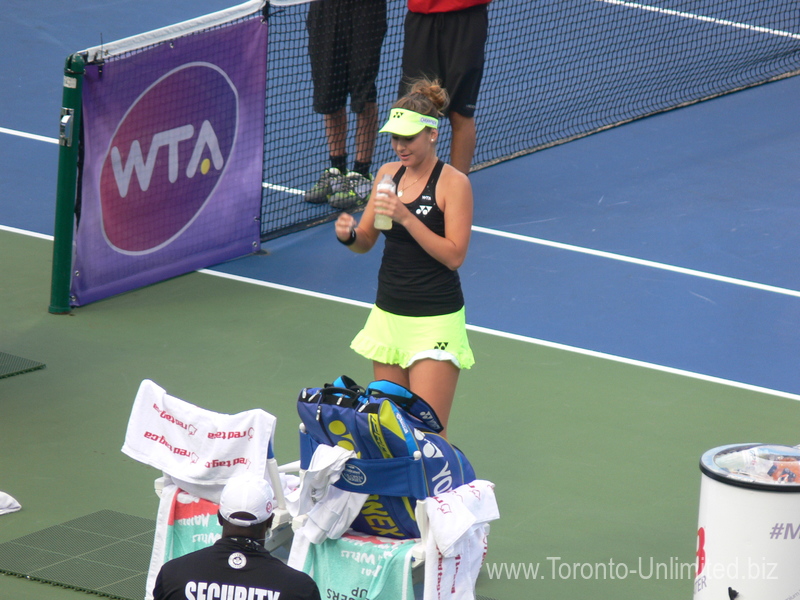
point(246, 494)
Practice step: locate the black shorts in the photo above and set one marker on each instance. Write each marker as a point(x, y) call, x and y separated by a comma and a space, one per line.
point(344, 46)
point(448, 47)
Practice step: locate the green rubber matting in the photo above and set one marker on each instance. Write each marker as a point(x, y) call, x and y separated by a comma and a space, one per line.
point(106, 553)
point(15, 365)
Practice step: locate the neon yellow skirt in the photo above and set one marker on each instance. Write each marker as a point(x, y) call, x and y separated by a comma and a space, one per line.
point(397, 340)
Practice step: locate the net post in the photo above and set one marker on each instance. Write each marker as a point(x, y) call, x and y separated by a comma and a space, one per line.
point(69, 142)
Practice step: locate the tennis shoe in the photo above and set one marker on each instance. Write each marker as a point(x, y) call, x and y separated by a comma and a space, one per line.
point(330, 182)
point(355, 191)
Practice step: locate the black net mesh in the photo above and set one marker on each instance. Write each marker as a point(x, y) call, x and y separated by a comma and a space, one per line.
point(554, 71)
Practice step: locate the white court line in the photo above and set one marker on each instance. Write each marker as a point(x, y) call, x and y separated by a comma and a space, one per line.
point(26, 232)
point(282, 188)
point(286, 288)
point(493, 332)
point(641, 262)
point(569, 247)
point(41, 138)
point(30, 136)
point(526, 339)
point(528, 239)
point(685, 15)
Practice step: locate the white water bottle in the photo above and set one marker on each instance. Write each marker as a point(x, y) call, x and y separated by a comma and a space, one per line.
point(386, 185)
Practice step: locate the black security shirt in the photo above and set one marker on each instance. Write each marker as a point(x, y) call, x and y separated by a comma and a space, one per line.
point(232, 569)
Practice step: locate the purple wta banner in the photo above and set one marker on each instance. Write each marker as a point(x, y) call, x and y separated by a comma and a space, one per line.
point(173, 151)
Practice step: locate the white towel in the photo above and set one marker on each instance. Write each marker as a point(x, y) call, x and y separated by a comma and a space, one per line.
point(195, 445)
point(457, 532)
point(329, 510)
point(184, 523)
point(325, 467)
point(298, 554)
point(159, 553)
point(8, 504)
point(332, 516)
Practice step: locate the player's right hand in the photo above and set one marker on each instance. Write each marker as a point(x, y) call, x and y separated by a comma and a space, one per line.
point(344, 225)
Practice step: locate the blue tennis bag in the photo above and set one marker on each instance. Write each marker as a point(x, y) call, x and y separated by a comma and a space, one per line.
point(400, 456)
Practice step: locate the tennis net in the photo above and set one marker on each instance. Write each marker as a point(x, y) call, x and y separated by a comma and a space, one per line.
point(181, 108)
point(555, 71)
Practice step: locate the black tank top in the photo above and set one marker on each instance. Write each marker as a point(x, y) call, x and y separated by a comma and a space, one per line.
point(410, 281)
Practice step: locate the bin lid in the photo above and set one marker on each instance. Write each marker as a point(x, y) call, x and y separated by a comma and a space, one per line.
point(771, 467)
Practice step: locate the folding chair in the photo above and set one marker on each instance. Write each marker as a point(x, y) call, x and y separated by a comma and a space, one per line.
point(454, 542)
point(397, 458)
point(197, 451)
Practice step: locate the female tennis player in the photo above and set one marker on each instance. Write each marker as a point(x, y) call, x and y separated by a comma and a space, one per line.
point(416, 333)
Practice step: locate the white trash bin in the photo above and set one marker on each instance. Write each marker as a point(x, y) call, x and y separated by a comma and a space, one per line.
point(748, 537)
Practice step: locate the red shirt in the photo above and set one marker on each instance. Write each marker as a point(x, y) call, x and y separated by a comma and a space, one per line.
point(437, 6)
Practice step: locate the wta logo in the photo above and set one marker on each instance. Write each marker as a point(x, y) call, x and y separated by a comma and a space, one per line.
point(167, 157)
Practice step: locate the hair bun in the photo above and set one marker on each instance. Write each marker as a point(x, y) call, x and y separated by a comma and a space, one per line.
point(432, 90)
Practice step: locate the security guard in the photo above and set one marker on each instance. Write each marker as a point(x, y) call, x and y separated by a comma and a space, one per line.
point(237, 566)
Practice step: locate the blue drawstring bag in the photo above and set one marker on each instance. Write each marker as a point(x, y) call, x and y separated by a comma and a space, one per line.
point(400, 456)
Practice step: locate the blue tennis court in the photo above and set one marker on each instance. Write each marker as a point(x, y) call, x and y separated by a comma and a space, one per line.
point(633, 298)
point(669, 241)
